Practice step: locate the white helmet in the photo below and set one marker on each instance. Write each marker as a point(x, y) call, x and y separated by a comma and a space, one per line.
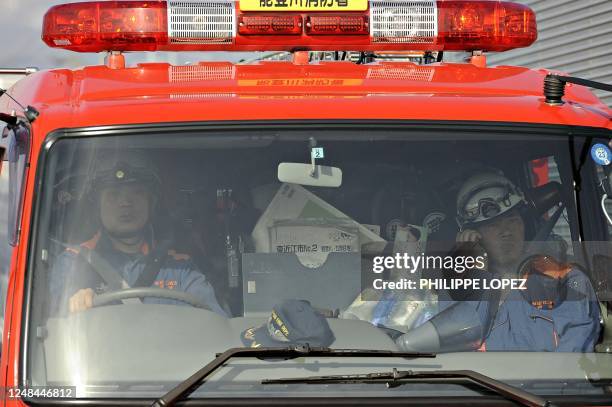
point(485, 196)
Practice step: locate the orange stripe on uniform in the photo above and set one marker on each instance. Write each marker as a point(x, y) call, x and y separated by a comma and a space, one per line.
point(74, 250)
point(178, 256)
point(92, 243)
point(550, 267)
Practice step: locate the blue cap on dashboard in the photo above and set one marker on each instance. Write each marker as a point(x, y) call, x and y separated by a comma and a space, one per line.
point(292, 322)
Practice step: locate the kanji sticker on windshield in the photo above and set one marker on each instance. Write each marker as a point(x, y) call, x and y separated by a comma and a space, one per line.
point(303, 5)
point(601, 154)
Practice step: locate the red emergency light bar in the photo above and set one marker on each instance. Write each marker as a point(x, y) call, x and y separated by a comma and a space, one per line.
point(100, 26)
point(337, 25)
point(288, 25)
point(269, 24)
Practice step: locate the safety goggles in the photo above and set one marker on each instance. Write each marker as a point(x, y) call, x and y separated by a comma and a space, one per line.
point(487, 208)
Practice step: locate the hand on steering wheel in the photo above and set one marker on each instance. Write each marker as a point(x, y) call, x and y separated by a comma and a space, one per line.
point(86, 298)
point(81, 300)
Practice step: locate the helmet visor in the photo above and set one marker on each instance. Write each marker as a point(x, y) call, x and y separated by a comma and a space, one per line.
point(488, 208)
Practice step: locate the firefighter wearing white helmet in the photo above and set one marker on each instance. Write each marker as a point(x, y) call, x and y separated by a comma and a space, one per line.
point(489, 212)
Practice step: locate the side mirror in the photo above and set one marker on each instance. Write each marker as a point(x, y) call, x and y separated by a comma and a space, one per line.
point(307, 174)
point(2, 152)
point(3, 144)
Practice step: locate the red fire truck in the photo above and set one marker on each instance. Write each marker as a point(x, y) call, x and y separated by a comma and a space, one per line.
point(338, 228)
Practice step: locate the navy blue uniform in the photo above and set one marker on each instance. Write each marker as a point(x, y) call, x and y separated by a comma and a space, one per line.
point(571, 326)
point(71, 272)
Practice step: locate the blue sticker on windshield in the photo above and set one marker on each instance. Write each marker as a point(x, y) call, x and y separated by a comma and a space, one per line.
point(601, 154)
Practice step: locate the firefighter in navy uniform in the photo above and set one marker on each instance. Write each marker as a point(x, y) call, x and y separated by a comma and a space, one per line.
point(124, 189)
point(558, 310)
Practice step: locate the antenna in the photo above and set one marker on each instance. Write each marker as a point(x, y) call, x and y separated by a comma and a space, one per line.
point(554, 87)
point(30, 113)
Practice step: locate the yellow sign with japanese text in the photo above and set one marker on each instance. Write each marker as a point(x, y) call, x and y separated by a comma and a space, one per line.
point(303, 5)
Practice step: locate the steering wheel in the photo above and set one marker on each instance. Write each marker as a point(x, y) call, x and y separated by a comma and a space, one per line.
point(142, 292)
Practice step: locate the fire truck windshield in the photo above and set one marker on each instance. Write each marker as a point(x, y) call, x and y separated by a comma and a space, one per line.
point(153, 253)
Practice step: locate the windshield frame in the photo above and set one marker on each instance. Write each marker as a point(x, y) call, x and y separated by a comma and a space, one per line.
point(199, 129)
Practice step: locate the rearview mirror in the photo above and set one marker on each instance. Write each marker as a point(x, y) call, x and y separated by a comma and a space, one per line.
point(306, 174)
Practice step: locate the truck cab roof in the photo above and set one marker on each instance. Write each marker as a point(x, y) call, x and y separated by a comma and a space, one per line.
point(277, 90)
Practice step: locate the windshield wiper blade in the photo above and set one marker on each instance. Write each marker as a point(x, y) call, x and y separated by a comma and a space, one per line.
point(189, 385)
point(397, 378)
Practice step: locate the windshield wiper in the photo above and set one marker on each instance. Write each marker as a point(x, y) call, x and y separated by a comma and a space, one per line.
point(398, 378)
point(188, 386)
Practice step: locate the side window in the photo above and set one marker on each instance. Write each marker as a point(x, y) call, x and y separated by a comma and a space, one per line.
point(15, 146)
point(543, 171)
point(17, 155)
point(5, 248)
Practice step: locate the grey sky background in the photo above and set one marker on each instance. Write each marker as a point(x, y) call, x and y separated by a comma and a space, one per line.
point(21, 44)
